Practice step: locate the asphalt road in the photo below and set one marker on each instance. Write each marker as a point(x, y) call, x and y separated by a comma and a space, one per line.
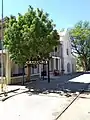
point(47, 101)
point(72, 83)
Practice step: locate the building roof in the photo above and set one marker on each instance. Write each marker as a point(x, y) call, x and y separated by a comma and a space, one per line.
point(64, 32)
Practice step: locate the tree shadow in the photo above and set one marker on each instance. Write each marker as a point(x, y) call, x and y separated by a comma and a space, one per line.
point(58, 85)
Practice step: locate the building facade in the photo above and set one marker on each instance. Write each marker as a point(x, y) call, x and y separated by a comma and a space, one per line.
point(68, 62)
point(62, 60)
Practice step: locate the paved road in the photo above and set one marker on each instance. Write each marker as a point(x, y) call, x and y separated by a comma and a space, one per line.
point(46, 106)
point(33, 107)
point(79, 110)
point(72, 83)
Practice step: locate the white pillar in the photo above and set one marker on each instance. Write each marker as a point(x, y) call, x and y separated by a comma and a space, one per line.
point(40, 66)
point(59, 64)
point(8, 68)
point(50, 65)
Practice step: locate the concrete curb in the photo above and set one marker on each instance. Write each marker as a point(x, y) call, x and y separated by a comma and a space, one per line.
point(5, 96)
point(10, 91)
point(14, 94)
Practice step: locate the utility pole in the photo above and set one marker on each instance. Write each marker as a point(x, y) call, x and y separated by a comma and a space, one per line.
point(2, 49)
point(48, 72)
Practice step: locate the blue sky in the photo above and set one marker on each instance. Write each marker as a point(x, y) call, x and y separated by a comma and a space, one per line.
point(65, 13)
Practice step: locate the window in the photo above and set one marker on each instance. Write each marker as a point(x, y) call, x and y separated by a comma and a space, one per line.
point(68, 67)
point(55, 49)
point(33, 68)
point(73, 68)
point(20, 70)
point(67, 51)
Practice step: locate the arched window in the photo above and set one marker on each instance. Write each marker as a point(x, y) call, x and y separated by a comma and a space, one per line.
point(68, 67)
point(72, 67)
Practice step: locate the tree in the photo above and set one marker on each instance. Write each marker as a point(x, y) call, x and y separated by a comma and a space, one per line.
point(80, 36)
point(30, 38)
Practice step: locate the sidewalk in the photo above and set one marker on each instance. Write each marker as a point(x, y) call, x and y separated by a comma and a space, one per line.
point(79, 110)
point(8, 88)
point(12, 90)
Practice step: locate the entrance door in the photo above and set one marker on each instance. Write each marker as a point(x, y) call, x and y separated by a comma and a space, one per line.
point(56, 64)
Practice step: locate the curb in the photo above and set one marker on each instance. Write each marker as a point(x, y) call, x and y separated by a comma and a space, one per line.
point(10, 91)
point(5, 94)
point(9, 96)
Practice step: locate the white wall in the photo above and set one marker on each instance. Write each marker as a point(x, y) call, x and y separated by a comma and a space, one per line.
point(66, 61)
point(66, 44)
point(74, 64)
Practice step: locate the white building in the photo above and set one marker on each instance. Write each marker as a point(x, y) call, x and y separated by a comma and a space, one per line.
point(68, 62)
point(62, 59)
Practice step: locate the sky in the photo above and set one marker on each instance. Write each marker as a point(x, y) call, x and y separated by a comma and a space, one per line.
point(65, 13)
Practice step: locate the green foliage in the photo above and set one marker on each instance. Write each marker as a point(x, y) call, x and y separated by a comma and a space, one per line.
point(80, 35)
point(30, 37)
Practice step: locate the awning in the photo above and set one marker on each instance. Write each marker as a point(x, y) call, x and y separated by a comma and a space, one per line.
point(56, 57)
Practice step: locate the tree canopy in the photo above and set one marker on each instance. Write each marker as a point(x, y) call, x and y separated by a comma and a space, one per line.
point(80, 36)
point(30, 37)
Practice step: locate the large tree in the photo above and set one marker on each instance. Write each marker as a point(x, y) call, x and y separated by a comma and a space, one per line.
point(80, 36)
point(30, 37)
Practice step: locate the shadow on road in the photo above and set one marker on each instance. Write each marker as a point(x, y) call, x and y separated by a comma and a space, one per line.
point(57, 85)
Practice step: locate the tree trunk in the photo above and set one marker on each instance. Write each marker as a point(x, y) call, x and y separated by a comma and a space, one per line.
point(28, 72)
point(85, 65)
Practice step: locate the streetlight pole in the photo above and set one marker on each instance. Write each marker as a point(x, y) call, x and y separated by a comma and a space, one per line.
point(2, 49)
point(48, 72)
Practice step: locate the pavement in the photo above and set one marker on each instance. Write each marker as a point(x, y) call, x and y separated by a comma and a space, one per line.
point(79, 110)
point(33, 107)
point(41, 100)
point(12, 90)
